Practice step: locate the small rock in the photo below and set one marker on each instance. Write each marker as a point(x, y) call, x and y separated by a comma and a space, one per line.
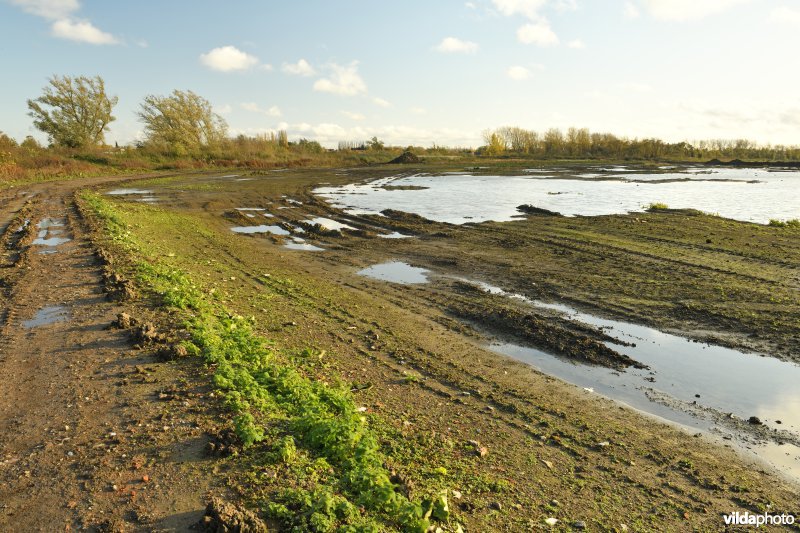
point(580, 524)
point(555, 503)
point(551, 521)
point(497, 506)
point(604, 444)
point(754, 420)
point(778, 422)
point(145, 478)
point(482, 451)
point(457, 494)
point(548, 464)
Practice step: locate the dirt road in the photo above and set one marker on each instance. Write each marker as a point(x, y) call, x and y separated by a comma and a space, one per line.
point(75, 397)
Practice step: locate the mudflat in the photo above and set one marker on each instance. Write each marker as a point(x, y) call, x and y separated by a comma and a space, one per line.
point(106, 431)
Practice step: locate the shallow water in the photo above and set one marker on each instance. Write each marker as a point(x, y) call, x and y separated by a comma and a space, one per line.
point(123, 192)
point(329, 223)
point(396, 272)
point(301, 245)
point(49, 231)
point(45, 316)
point(690, 383)
point(753, 195)
point(276, 230)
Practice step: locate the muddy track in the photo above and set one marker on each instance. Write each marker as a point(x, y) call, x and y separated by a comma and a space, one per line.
point(78, 405)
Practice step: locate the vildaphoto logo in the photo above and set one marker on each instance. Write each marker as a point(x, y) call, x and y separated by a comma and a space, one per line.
point(749, 519)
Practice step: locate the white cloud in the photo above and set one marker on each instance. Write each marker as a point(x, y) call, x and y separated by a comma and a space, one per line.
point(577, 44)
point(453, 45)
point(471, 5)
point(685, 10)
point(343, 80)
point(273, 111)
point(380, 102)
point(223, 109)
point(786, 15)
point(49, 9)
point(526, 8)
point(228, 59)
point(65, 26)
point(518, 72)
point(538, 33)
point(301, 68)
point(353, 116)
point(631, 11)
point(81, 31)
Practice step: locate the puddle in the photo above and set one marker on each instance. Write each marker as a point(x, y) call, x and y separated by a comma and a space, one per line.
point(329, 223)
point(394, 235)
point(301, 245)
point(49, 231)
point(275, 230)
point(396, 272)
point(123, 192)
point(45, 316)
point(705, 387)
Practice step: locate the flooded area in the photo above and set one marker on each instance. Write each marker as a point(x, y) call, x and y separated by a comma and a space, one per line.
point(275, 230)
point(749, 399)
point(752, 195)
point(51, 234)
point(45, 316)
point(396, 272)
point(329, 223)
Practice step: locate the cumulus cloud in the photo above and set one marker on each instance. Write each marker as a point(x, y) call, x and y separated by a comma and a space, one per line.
point(518, 72)
point(81, 31)
point(526, 8)
point(301, 68)
point(273, 111)
point(453, 45)
point(223, 109)
point(228, 59)
point(49, 9)
point(343, 80)
point(380, 102)
point(64, 24)
point(686, 10)
point(538, 33)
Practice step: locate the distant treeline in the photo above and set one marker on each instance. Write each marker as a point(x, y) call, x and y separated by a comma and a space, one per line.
point(580, 143)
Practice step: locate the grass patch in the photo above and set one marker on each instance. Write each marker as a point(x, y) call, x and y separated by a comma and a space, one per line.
point(793, 223)
point(278, 403)
point(657, 206)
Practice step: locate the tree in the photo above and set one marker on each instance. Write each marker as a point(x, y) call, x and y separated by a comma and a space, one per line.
point(73, 111)
point(182, 123)
point(375, 144)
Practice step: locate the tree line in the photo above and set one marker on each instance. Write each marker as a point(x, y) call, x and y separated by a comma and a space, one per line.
point(75, 113)
point(580, 143)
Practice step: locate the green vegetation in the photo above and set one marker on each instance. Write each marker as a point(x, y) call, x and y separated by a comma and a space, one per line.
point(657, 206)
point(793, 223)
point(73, 112)
point(276, 401)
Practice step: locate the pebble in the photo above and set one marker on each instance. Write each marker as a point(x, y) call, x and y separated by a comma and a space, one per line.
point(580, 524)
point(551, 521)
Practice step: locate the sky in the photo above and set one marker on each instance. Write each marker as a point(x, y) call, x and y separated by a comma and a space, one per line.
point(423, 72)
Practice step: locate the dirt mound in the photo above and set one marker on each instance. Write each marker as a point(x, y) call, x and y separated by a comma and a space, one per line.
point(223, 517)
point(404, 158)
point(529, 209)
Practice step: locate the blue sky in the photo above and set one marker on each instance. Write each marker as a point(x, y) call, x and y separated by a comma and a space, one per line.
point(423, 72)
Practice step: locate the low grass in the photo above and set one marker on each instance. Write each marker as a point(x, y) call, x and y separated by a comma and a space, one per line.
point(307, 426)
